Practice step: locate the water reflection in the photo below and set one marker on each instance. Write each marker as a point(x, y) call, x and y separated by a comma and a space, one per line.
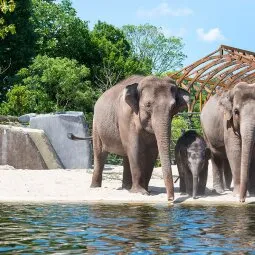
point(126, 229)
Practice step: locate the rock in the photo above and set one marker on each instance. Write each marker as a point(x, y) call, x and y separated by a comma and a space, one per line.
point(73, 154)
point(24, 119)
point(25, 148)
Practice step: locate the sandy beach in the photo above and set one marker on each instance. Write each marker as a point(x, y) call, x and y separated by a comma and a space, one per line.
point(73, 185)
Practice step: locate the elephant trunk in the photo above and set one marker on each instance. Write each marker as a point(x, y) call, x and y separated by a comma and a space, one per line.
point(248, 136)
point(162, 129)
point(195, 185)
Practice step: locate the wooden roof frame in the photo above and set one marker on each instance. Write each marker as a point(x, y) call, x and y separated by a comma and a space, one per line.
point(224, 67)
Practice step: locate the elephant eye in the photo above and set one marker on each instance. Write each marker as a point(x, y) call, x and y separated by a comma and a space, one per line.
point(236, 112)
point(148, 104)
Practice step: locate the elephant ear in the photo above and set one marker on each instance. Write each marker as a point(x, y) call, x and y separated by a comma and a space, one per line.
point(131, 96)
point(226, 102)
point(182, 99)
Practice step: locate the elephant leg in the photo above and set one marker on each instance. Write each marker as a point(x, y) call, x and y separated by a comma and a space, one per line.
point(202, 181)
point(182, 185)
point(251, 182)
point(137, 160)
point(99, 160)
point(181, 170)
point(151, 158)
point(217, 165)
point(189, 182)
point(227, 174)
point(233, 150)
point(127, 177)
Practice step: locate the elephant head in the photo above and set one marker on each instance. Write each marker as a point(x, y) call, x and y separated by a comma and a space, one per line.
point(239, 110)
point(155, 101)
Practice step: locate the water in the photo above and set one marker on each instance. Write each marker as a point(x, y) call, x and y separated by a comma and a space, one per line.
point(126, 229)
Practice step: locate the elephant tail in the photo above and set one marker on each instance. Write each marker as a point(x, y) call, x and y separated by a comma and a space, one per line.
point(71, 136)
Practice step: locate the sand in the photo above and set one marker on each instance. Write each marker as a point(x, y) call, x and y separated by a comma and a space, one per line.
point(73, 186)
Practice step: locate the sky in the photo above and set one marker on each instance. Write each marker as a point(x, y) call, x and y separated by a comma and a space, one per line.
point(203, 24)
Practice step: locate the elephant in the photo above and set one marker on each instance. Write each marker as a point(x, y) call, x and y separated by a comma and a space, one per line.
point(192, 156)
point(228, 123)
point(133, 119)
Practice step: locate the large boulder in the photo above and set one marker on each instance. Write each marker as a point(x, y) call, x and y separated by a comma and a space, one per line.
point(26, 148)
point(73, 154)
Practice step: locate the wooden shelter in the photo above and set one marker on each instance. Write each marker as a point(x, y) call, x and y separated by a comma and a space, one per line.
point(224, 67)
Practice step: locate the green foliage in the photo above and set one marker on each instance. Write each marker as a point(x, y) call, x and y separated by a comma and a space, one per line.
point(16, 51)
point(5, 7)
point(150, 45)
point(179, 125)
point(114, 56)
point(105, 50)
point(61, 33)
point(21, 100)
point(114, 159)
point(51, 84)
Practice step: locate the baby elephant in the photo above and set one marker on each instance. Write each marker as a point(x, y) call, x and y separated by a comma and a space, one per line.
point(192, 157)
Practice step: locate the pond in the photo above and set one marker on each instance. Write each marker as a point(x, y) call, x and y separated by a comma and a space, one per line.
point(126, 229)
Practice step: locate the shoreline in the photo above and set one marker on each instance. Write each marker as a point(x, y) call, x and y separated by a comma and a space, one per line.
point(73, 186)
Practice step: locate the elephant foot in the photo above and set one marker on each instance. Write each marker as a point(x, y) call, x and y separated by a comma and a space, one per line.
point(95, 185)
point(139, 189)
point(236, 194)
point(236, 191)
point(126, 186)
point(201, 193)
point(242, 199)
point(218, 190)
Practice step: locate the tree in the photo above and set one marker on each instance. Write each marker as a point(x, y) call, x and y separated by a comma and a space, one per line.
point(51, 84)
point(148, 43)
point(61, 33)
point(21, 99)
point(6, 6)
point(16, 51)
point(114, 56)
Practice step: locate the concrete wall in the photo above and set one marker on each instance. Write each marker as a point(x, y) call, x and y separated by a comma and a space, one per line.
point(25, 148)
point(73, 154)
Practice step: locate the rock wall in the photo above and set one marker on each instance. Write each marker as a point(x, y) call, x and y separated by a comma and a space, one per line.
point(73, 154)
point(26, 148)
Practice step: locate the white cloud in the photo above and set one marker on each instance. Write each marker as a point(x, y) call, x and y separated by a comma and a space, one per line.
point(164, 9)
point(213, 34)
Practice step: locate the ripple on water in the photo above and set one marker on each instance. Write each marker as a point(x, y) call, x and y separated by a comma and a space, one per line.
point(122, 229)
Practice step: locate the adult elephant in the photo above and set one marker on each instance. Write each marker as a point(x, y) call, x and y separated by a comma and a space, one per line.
point(228, 123)
point(133, 119)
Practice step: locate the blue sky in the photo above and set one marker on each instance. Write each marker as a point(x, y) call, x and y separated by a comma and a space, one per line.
point(203, 25)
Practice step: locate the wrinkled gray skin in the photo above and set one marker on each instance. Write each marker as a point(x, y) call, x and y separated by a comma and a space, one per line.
point(133, 119)
point(228, 122)
point(192, 157)
point(212, 117)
